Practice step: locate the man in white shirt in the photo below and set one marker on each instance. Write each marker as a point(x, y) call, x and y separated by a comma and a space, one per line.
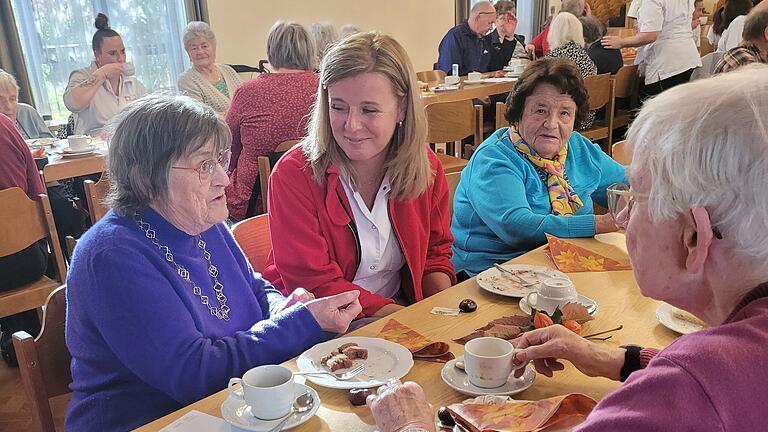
point(673, 56)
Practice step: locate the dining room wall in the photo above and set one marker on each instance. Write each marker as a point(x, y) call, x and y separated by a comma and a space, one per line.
point(241, 26)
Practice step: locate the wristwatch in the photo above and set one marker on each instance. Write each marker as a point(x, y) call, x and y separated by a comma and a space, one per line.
point(631, 361)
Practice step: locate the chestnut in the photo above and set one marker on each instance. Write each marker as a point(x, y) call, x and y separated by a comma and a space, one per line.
point(467, 305)
point(445, 417)
point(358, 396)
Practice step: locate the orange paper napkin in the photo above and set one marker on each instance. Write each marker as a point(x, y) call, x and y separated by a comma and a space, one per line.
point(570, 258)
point(560, 413)
point(421, 347)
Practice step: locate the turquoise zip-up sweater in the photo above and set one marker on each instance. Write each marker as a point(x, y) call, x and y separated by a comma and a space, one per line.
point(501, 208)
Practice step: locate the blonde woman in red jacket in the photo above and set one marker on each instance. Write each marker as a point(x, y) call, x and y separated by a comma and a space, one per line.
point(362, 203)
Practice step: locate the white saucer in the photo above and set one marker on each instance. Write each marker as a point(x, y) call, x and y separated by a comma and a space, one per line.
point(675, 319)
point(88, 149)
point(459, 381)
point(238, 414)
point(591, 305)
point(77, 155)
point(442, 88)
point(480, 81)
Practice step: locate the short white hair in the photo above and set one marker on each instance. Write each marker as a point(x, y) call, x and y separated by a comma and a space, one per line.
point(479, 6)
point(198, 29)
point(8, 81)
point(575, 7)
point(347, 30)
point(565, 28)
point(705, 144)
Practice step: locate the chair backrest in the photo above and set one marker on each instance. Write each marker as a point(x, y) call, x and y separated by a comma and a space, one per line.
point(501, 109)
point(449, 122)
point(453, 182)
point(44, 361)
point(621, 153)
point(25, 221)
point(598, 90)
point(253, 236)
point(626, 81)
point(265, 168)
point(430, 75)
point(95, 193)
point(708, 64)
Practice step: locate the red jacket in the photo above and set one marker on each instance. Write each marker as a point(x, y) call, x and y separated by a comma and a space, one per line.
point(314, 238)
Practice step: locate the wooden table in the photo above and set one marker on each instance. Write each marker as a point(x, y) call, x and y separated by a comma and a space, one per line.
point(59, 168)
point(452, 164)
point(468, 91)
point(616, 293)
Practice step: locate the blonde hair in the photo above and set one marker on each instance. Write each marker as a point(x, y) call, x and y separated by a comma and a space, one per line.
point(565, 28)
point(289, 46)
point(409, 168)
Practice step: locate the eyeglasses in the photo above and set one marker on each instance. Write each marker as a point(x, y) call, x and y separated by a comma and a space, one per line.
point(207, 167)
point(621, 200)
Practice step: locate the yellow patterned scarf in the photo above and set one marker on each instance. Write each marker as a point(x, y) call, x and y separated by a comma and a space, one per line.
point(563, 198)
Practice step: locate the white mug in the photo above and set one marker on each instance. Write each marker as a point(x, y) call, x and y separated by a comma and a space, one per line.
point(79, 142)
point(488, 361)
point(269, 390)
point(553, 293)
point(129, 69)
point(451, 80)
point(474, 76)
point(702, 20)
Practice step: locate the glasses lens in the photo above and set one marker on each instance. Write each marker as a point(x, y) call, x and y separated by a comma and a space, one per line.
point(618, 203)
point(224, 159)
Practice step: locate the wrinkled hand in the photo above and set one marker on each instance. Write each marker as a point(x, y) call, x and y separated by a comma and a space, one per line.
point(399, 406)
point(531, 50)
point(587, 9)
point(604, 223)
point(111, 71)
point(509, 24)
point(612, 42)
point(545, 346)
point(299, 295)
point(334, 313)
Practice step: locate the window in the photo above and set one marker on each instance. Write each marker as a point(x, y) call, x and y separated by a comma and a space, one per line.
point(56, 39)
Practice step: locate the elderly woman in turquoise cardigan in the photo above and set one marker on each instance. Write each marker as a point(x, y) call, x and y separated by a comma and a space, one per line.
point(537, 176)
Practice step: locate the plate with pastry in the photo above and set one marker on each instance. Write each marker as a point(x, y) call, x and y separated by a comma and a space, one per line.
point(380, 358)
point(678, 320)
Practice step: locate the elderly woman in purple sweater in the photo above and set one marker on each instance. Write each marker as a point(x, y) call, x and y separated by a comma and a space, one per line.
point(162, 305)
point(695, 221)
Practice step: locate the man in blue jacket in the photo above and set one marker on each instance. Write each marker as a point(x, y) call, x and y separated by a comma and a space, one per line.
point(469, 43)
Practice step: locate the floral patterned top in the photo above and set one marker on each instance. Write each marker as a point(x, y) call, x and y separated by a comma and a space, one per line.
point(578, 55)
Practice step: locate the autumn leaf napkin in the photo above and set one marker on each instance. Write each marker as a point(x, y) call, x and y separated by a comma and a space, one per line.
point(421, 347)
point(570, 258)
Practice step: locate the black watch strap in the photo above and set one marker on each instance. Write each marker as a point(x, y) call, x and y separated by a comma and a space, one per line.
point(631, 361)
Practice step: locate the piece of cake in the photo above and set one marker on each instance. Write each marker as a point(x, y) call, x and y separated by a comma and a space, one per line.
point(355, 352)
point(338, 361)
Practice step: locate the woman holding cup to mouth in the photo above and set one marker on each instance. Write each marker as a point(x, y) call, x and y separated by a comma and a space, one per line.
point(96, 93)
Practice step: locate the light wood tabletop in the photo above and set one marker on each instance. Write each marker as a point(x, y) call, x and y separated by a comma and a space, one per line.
point(451, 164)
point(59, 168)
point(468, 91)
point(616, 293)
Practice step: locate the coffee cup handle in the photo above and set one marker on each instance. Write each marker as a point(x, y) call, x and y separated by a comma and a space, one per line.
point(88, 139)
point(233, 393)
point(528, 299)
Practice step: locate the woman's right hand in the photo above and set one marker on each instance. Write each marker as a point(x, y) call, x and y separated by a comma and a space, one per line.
point(604, 223)
point(545, 346)
point(111, 71)
point(335, 313)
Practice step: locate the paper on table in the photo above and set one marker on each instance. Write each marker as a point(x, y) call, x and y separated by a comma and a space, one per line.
point(196, 421)
point(571, 258)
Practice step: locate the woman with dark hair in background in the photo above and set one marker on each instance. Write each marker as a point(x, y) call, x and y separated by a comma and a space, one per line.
point(96, 93)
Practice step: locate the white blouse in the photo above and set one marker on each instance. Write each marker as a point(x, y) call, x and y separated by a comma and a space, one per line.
point(381, 258)
point(674, 51)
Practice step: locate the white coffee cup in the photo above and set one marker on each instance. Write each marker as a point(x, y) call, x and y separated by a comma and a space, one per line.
point(513, 63)
point(451, 80)
point(129, 69)
point(269, 390)
point(553, 293)
point(79, 142)
point(474, 76)
point(703, 20)
point(488, 361)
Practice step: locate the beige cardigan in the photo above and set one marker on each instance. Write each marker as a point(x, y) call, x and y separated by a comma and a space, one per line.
point(194, 84)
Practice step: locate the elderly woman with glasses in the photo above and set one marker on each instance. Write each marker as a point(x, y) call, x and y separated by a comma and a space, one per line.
point(695, 223)
point(537, 176)
point(211, 83)
point(27, 119)
point(269, 109)
point(162, 305)
point(362, 205)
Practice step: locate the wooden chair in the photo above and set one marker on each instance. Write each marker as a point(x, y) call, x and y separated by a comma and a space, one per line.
point(453, 182)
point(501, 109)
point(70, 243)
point(600, 91)
point(265, 168)
point(95, 193)
point(621, 153)
point(430, 76)
point(253, 236)
point(448, 122)
point(626, 84)
point(44, 360)
point(24, 222)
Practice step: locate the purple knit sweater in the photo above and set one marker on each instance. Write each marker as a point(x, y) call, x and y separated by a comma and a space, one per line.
point(143, 345)
point(711, 380)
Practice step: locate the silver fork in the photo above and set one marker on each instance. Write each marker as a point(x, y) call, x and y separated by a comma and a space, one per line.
point(348, 375)
point(515, 277)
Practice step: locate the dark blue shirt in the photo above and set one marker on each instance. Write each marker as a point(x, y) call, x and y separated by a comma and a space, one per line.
point(607, 60)
point(462, 46)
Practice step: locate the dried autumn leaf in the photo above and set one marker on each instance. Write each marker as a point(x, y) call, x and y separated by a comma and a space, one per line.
point(577, 312)
point(503, 331)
